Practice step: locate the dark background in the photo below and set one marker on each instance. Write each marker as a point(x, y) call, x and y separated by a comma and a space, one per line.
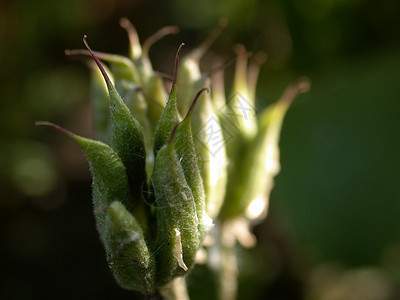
point(333, 228)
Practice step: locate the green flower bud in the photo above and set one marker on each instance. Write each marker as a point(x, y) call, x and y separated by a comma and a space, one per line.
point(141, 88)
point(160, 182)
point(205, 125)
point(128, 137)
point(241, 105)
point(190, 74)
point(126, 84)
point(150, 81)
point(257, 160)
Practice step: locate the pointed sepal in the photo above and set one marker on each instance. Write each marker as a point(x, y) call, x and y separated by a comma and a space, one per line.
point(169, 117)
point(127, 138)
point(177, 222)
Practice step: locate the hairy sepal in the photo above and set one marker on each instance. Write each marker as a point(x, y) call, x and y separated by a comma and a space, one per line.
point(128, 255)
point(177, 222)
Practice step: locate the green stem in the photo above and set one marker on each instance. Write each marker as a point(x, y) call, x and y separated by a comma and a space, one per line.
point(176, 290)
point(229, 270)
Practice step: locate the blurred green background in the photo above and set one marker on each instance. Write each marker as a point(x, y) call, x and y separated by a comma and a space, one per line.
point(333, 230)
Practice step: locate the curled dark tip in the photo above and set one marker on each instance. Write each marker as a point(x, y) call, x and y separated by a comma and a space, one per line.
point(124, 22)
point(133, 37)
point(240, 50)
point(303, 85)
point(196, 98)
point(98, 63)
point(242, 57)
point(177, 64)
point(254, 69)
point(156, 37)
point(260, 57)
point(300, 86)
point(130, 29)
point(55, 126)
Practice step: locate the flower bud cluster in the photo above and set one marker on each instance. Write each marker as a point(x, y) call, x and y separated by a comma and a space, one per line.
point(166, 165)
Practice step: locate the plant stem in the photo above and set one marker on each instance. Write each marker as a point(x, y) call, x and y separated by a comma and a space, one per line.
point(229, 270)
point(176, 290)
